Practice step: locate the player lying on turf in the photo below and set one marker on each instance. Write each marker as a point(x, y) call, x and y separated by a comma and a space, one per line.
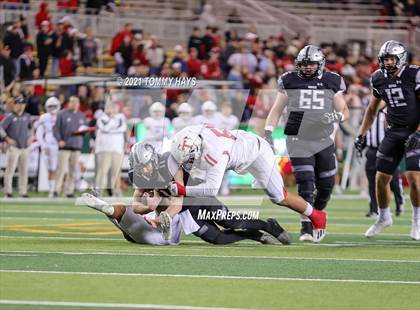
point(214, 151)
point(398, 84)
point(149, 168)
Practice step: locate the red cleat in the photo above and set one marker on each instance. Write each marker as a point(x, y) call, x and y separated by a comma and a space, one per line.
point(319, 224)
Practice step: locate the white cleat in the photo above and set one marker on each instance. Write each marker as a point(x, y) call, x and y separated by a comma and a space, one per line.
point(415, 230)
point(376, 228)
point(94, 202)
point(306, 237)
point(166, 225)
point(319, 235)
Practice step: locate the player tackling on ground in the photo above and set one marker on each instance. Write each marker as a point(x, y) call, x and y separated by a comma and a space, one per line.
point(214, 151)
point(398, 84)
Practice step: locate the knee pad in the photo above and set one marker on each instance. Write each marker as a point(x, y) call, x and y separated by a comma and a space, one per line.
point(306, 186)
point(324, 188)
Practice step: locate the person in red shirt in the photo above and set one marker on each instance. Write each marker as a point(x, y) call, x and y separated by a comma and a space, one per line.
point(210, 68)
point(42, 15)
point(193, 63)
point(67, 64)
point(119, 37)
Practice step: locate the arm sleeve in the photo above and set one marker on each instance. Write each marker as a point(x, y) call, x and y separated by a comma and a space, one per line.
point(39, 132)
point(211, 185)
point(3, 127)
point(375, 92)
point(57, 128)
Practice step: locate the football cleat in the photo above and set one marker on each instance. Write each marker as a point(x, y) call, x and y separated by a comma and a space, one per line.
point(376, 228)
point(277, 231)
point(319, 224)
point(94, 202)
point(166, 225)
point(306, 231)
point(266, 238)
point(415, 230)
point(306, 237)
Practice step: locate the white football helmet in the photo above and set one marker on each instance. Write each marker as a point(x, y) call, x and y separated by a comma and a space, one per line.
point(209, 106)
point(186, 148)
point(52, 105)
point(185, 108)
point(396, 49)
point(157, 110)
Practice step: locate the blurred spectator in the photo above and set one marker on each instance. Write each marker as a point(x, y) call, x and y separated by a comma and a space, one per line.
point(32, 101)
point(207, 42)
point(94, 6)
point(157, 126)
point(69, 125)
point(47, 141)
point(109, 147)
point(184, 118)
point(209, 115)
point(88, 50)
point(193, 63)
point(196, 41)
point(7, 65)
point(179, 58)
point(244, 58)
point(123, 56)
point(207, 17)
point(26, 63)
point(120, 37)
point(24, 27)
point(60, 43)
point(67, 64)
point(43, 15)
point(16, 130)
point(215, 37)
point(234, 17)
point(14, 39)
point(156, 56)
point(210, 68)
point(43, 46)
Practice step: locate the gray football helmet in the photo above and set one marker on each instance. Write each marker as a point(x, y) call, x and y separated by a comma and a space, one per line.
point(310, 54)
point(396, 49)
point(140, 156)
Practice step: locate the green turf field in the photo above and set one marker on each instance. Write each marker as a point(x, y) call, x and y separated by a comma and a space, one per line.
point(62, 256)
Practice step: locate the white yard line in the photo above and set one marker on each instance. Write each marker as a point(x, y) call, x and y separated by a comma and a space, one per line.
point(106, 305)
point(16, 254)
point(192, 276)
point(217, 256)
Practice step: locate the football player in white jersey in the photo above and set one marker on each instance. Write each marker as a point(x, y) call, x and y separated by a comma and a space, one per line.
point(45, 136)
point(157, 126)
point(184, 118)
point(215, 151)
point(229, 122)
point(209, 115)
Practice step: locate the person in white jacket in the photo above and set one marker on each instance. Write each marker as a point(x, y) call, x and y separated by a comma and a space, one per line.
point(157, 126)
point(109, 147)
point(47, 141)
point(184, 118)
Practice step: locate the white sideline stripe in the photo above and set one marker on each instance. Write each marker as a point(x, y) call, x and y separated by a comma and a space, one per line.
point(218, 256)
point(168, 275)
point(10, 254)
point(106, 305)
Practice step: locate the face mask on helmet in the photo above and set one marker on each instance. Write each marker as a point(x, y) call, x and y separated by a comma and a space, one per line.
point(392, 57)
point(310, 62)
point(143, 161)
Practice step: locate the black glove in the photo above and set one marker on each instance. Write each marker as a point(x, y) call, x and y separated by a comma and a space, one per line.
point(360, 144)
point(164, 192)
point(269, 138)
point(413, 142)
